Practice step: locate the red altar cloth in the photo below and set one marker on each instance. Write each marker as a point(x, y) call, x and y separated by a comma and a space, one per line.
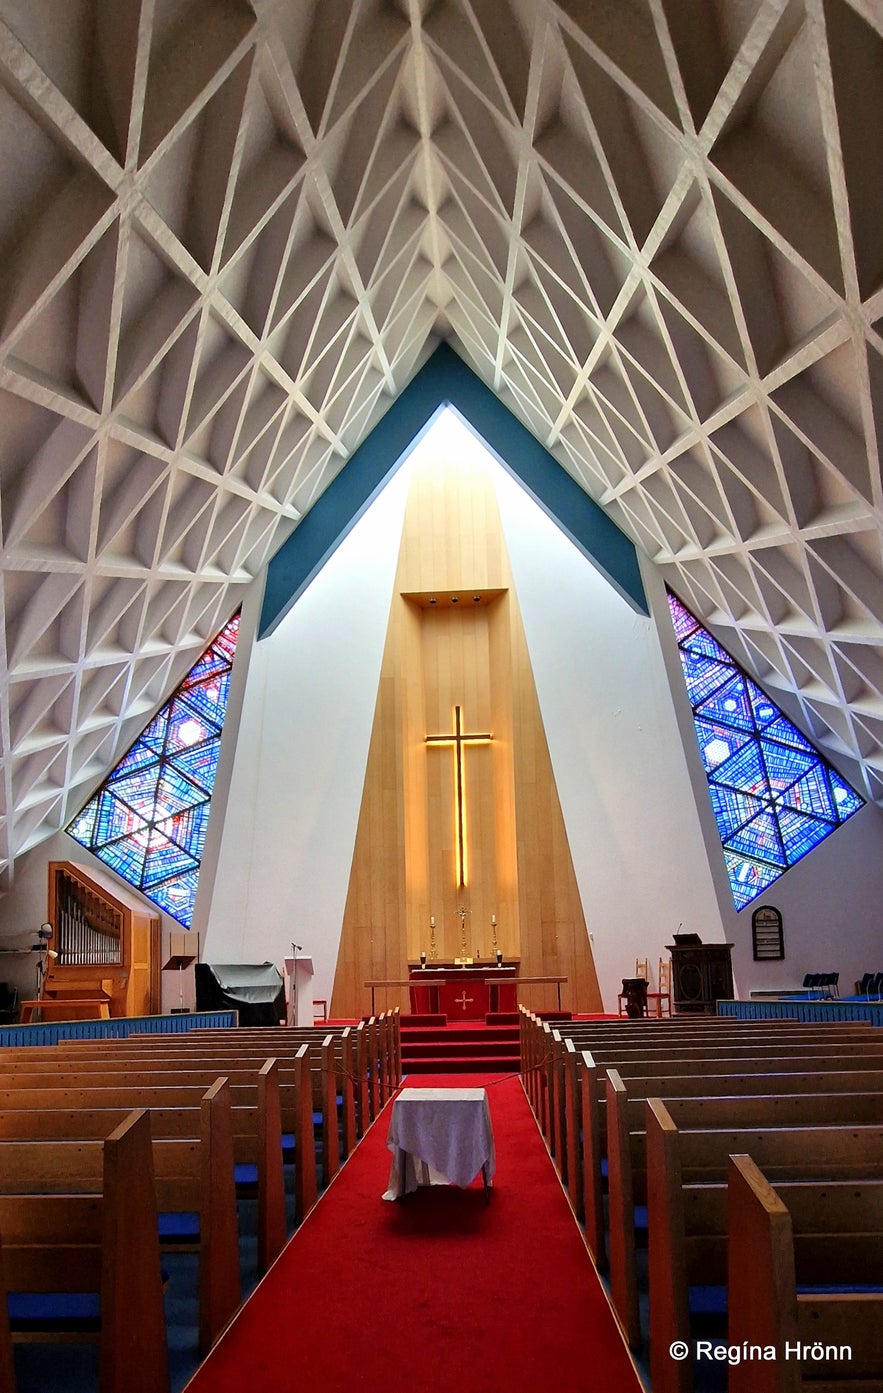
point(461, 993)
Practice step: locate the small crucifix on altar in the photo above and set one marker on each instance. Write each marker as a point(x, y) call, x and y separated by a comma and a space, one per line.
point(457, 739)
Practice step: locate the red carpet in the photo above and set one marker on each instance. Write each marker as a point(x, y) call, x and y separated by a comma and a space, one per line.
point(441, 1294)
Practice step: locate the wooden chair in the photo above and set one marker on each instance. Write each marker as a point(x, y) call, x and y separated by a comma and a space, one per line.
point(662, 996)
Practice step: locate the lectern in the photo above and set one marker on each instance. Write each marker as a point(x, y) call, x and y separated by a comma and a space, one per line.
point(299, 971)
point(702, 974)
point(183, 952)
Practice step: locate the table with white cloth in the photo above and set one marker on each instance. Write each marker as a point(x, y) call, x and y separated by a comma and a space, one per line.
point(439, 1136)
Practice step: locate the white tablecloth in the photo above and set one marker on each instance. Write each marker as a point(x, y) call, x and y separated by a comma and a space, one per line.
point(439, 1136)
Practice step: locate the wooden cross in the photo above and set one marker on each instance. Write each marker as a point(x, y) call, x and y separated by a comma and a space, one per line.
point(464, 1000)
point(457, 739)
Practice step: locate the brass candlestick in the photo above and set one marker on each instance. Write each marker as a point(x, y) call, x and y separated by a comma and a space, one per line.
point(462, 911)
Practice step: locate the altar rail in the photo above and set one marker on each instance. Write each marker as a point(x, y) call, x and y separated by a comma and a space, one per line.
point(115, 1029)
point(871, 1011)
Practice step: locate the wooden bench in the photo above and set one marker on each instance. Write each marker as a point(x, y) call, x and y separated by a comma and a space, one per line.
point(256, 1129)
point(65, 1009)
point(347, 1047)
point(106, 1243)
point(687, 1209)
point(118, 1082)
point(545, 1045)
point(585, 1103)
point(374, 1070)
point(379, 1057)
point(190, 1175)
point(627, 1155)
point(681, 1045)
point(105, 1058)
point(793, 1235)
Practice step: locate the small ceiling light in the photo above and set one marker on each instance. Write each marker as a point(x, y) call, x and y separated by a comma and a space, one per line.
point(455, 599)
point(433, 600)
point(476, 599)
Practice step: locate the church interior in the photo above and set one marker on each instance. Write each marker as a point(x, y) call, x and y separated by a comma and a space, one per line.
point(442, 551)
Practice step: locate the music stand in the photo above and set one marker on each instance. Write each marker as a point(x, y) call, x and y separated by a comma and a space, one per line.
point(182, 953)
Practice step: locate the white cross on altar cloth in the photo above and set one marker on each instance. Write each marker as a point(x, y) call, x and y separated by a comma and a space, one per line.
point(439, 1136)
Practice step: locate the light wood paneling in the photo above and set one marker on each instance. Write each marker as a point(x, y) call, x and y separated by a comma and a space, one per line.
point(455, 638)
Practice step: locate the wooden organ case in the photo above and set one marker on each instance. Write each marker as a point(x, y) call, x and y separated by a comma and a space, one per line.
point(108, 942)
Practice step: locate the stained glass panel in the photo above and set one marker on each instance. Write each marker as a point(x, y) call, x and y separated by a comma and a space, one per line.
point(774, 796)
point(748, 879)
point(148, 821)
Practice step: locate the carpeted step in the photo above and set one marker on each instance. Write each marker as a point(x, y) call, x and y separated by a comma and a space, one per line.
point(452, 1064)
point(463, 1032)
point(478, 1049)
point(461, 1049)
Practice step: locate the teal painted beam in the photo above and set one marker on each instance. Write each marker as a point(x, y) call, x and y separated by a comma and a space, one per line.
point(445, 380)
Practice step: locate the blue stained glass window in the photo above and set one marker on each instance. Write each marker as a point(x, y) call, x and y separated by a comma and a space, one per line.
point(148, 820)
point(774, 796)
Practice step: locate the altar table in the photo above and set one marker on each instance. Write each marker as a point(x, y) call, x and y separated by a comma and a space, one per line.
point(463, 993)
point(439, 1136)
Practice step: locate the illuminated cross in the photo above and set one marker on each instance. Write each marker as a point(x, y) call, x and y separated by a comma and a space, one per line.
point(457, 739)
point(464, 1000)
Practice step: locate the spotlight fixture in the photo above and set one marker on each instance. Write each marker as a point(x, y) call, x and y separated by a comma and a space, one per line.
point(476, 599)
point(433, 600)
point(455, 599)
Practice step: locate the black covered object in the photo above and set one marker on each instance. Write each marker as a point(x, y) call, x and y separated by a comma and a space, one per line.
point(255, 990)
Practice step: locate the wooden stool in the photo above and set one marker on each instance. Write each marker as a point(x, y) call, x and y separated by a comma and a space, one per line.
point(324, 1015)
point(65, 1009)
point(627, 1008)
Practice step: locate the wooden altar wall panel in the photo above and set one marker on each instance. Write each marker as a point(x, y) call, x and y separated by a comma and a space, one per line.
point(403, 861)
point(553, 932)
point(372, 941)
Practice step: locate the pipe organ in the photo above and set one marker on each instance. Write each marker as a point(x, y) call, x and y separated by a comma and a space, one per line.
point(107, 942)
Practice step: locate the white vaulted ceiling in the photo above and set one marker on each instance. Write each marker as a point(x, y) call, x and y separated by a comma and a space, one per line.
point(230, 232)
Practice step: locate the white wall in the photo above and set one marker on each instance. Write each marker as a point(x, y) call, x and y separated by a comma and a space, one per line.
point(625, 791)
point(296, 785)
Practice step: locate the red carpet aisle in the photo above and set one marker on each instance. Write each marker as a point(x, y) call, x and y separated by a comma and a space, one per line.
point(441, 1294)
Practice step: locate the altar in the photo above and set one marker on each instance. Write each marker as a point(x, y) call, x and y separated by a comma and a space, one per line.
point(462, 993)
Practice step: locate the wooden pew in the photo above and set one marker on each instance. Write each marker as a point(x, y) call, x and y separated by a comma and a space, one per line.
point(586, 1089)
point(349, 1047)
point(534, 1034)
point(190, 1174)
point(746, 1074)
point(814, 1236)
point(106, 1242)
point(7, 1364)
point(256, 1131)
point(105, 1059)
point(686, 1203)
point(111, 1072)
point(556, 1088)
point(545, 1046)
point(683, 1045)
point(627, 1157)
point(380, 1054)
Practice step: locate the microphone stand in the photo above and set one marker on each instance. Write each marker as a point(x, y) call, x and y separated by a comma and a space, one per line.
point(292, 1005)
